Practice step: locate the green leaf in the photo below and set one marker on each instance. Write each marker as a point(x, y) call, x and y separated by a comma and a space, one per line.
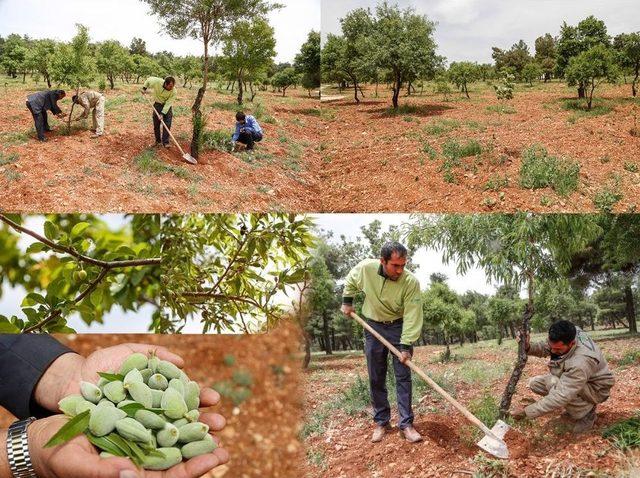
point(105, 444)
point(79, 229)
point(36, 247)
point(50, 230)
point(74, 427)
point(33, 298)
point(132, 408)
point(7, 327)
point(112, 377)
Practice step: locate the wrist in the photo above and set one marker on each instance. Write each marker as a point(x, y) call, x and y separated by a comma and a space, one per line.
point(54, 383)
point(5, 471)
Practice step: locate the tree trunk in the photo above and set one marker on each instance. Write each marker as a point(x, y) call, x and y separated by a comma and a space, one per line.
point(48, 78)
point(197, 118)
point(253, 93)
point(510, 390)
point(634, 83)
point(630, 309)
point(327, 335)
point(581, 91)
point(71, 113)
point(284, 91)
point(240, 91)
point(355, 91)
point(466, 91)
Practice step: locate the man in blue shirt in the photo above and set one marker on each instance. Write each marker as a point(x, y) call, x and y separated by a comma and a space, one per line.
point(248, 132)
point(41, 102)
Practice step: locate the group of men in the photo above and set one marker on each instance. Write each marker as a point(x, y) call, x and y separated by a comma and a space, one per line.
point(247, 130)
point(579, 377)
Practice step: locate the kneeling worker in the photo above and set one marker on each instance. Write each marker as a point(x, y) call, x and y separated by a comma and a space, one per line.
point(247, 133)
point(579, 377)
point(92, 100)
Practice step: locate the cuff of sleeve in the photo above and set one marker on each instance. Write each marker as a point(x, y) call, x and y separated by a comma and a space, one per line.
point(406, 348)
point(347, 300)
point(531, 412)
point(23, 361)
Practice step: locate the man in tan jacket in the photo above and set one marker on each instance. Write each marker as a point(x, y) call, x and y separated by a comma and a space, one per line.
point(92, 100)
point(579, 377)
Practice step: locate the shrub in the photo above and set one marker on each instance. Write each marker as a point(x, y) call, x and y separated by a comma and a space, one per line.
point(217, 139)
point(539, 170)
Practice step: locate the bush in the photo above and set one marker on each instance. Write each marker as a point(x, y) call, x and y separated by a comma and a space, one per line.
point(217, 139)
point(539, 170)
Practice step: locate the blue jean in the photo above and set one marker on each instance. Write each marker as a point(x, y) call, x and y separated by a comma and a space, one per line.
point(376, 354)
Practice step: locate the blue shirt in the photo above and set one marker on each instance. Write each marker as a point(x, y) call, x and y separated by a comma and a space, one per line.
point(251, 126)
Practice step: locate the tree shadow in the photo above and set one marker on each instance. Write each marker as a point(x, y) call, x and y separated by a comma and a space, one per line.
point(411, 110)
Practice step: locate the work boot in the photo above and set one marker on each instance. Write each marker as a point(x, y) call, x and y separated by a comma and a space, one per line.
point(239, 147)
point(411, 434)
point(95, 135)
point(378, 433)
point(585, 423)
point(166, 145)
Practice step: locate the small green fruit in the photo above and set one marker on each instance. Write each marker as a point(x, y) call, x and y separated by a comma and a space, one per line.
point(68, 404)
point(115, 391)
point(168, 369)
point(150, 420)
point(177, 385)
point(136, 360)
point(192, 395)
point(192, 432)
point(83, 406)
point(192, 415)
point(132, 376)
point(141, 393)
point(90, 392)
point(172, 457)
point(168, 436)
point(158, 382)
point(197, 448)
point(103, 420)
point(146, 374)
point(156, 397)
point(133, 430)
point(173, 404)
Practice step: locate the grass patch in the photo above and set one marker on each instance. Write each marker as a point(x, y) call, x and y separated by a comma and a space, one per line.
point(429, 151)
point(496, 182)
point(454, 151)
point(606, 199)
point(6, 159)
point(407, 109)
point(261, 114)
point(327, 114)
point(631, 167)
point(632, 357)
point(442, 126)
point(15, 137)
point(539, 170)
point(217, 139)
point(12, 175)
point(147, 163)
point(624, 434)
point(501, 109)
point(226, 106)
point(117, 101)
point(579, 107)
point(316, 458)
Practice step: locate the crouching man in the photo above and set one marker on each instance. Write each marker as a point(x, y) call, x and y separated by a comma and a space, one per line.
point(579, 377)
point(92, 100)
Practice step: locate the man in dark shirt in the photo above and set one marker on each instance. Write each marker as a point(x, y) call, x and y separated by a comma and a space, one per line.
point(41, 102)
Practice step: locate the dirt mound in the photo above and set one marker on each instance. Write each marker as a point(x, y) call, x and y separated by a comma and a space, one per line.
point(517, 443)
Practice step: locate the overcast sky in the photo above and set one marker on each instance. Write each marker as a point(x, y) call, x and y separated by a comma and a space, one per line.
point(124, 19)
point(467, 29)
point(430, 260)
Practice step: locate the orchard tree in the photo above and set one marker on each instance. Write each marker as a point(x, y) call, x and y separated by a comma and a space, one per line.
point(138, 47)
point(513, 250)
point(514, 59)
point(78, 264)
point(462, 73)
point(39, 59)
point(228, 270)
point(589, 33)
point(14, 55)
point(284, 79)
point(628, 46)
point(590, 69)
point(208, 21)
point(546, 55)
point(307, 62)
point(111, 60)
point(144, 66)
point(247, 49)
point(404, 45)
point(531, 71)
point(323, 297)
point(189, 68)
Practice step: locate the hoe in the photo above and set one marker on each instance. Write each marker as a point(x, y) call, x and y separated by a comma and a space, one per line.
point(492, 442)
point(186, 156)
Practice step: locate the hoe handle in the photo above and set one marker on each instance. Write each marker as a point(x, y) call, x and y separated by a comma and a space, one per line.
point(165, 126)
point(467, 414)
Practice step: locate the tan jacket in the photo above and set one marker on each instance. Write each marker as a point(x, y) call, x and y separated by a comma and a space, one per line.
point(88, 100)
point(582, 372)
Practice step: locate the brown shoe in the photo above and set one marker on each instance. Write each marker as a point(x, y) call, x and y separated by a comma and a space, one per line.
point(378, 433)
point(585, 423)
point(411, 434)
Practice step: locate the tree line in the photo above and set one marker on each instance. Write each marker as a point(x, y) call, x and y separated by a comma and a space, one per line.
point(396, 47)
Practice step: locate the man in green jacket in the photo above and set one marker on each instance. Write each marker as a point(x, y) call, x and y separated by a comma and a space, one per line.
point(164, 94)
point(579, 377)
point(393, 307)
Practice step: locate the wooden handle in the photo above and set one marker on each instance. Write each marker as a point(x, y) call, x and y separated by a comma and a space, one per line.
point(467, 414)
point(165, 126)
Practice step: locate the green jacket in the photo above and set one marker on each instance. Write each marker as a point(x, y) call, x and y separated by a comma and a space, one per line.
point(160, 95)
point(387, 300)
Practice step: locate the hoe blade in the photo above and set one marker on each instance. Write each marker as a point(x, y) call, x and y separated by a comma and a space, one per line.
point(189, 159)
point(497, 448)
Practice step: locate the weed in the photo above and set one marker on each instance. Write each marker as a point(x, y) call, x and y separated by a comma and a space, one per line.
point(546, 201)
point(496, 183)
point(8, 159)
point(12, 175)
point(217, 139)
point(631, 167)
point(356, 398)
point(624, 434)
point(148, 163)
point(430, 151)
point(606, 199)
point(501, 109)
point(455, 151)
point(491, 468)
point(440, 127)
point(228, 106)
point(579, 109)
point(539, 170)
point(630, 358)
point(605, 159)
point(314, 425)
point(243, 378)
point(317, 458)
point(15, 138)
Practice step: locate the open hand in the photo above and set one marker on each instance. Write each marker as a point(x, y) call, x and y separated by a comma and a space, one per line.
point(518, 414)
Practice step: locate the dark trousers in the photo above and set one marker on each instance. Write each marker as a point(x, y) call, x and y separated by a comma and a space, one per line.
point(41, 121)
point(249, 138)
point(167, 118)
point(377, 354)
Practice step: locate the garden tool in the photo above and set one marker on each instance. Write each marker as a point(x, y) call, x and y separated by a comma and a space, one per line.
point(186, 156)
point(492, 442)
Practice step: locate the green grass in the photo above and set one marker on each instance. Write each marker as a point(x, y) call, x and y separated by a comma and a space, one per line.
point(631, 167)
point(217, 139)
point(624, 434)
point(501, 109)
point(15, 137)
point(147, 163)
point(12, 175)
point(226, 106)
point(429, 151)
point(579, 107)
point(607, 198)
point(111, 103)
point(454, 150)
point(441, 126)
point(539, 170)
point(496, 182)
point(317, 458)
point(8, 158)
point(632, 357)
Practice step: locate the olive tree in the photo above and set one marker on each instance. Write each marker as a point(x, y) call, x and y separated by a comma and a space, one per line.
point(111, 60)
point(628, 45)
point(590, 69)
point(307, 62)
point(462, 73)
point(284, 79)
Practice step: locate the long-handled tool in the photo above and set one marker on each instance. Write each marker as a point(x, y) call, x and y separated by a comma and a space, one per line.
point(492, 442)
point(186, 156)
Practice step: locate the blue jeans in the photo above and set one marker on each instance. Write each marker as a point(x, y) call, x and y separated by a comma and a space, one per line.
point(377, 354)
point(249, 138)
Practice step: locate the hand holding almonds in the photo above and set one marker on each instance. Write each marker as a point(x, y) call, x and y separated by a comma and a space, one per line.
point(150, 402)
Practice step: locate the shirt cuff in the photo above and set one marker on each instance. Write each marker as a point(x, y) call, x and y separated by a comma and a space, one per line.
point(347, 300)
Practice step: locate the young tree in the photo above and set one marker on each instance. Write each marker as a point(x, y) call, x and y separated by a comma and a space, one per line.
point(111, 60)
point(284, 79)
point(590, 69)
point(404, 45)
point(138, 47)
point(462, 73)
point(14, 55)
point(144, 66)
point(513, 250)
point(247, 49)
point(515, 58)
point(307, 62)
point(207, 21)
point(189, 68)
point(531, 71)
point(39, 58)
point(546, 55)
point(628, 46)
point(323, 298)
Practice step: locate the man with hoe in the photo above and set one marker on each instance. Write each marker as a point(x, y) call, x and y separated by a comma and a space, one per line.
point(41, 102)
point(579, 377)
point(393, 307)
point(92, 100)
point(164, 94)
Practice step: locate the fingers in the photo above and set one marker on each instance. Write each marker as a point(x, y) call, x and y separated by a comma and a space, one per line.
point(161, 352)
point(215, 421)
point(193, 468)
point(209, 397)
point(76, 462)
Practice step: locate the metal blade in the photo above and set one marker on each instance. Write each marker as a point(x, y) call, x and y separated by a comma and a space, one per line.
point(189, 159)
point(495, 447)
